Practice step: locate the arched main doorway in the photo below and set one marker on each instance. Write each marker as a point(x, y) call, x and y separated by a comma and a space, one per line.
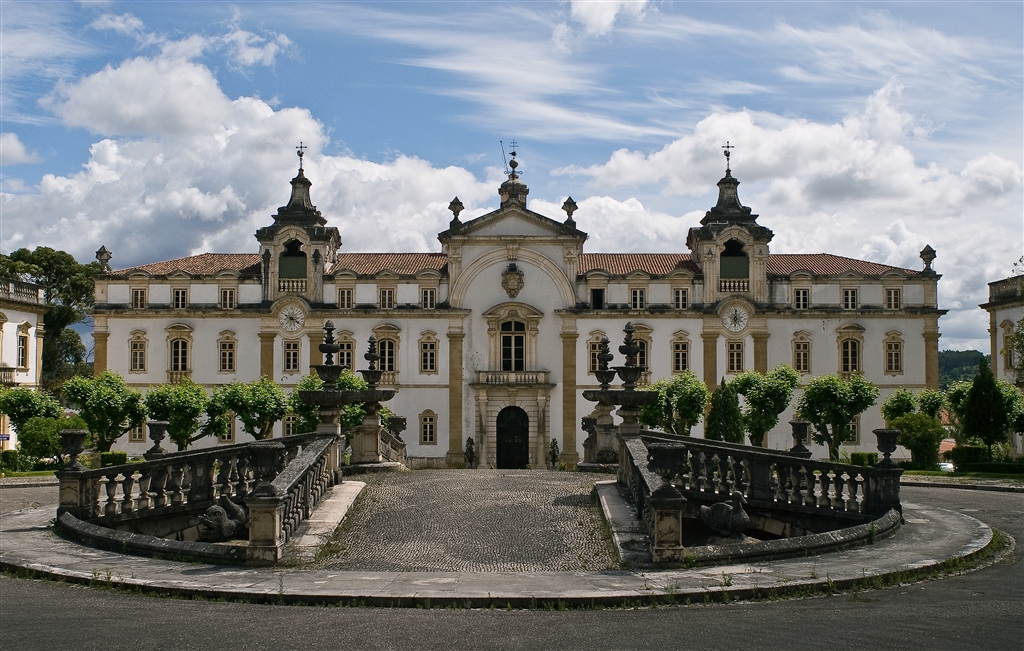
point(513, 444)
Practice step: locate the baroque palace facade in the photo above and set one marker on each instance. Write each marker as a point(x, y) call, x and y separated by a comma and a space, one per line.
point(495, 337)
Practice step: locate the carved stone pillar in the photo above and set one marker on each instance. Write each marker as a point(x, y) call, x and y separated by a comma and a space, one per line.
point(569, 453)
point(267, 353)
point(99, 352)
point(710, 359)
point(760, 351)
point(931, 355)
point(455, 343)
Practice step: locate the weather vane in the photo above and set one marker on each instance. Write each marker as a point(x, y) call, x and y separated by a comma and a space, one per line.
point(727, 147)
point(301, 153)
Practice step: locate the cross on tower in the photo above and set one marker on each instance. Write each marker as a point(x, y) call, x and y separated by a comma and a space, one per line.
point(513, 145)
point(301, 153)
point(727, 147)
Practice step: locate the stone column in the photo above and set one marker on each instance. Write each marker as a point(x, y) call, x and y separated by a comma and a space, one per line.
point(569, 453)
point(668, 527)
point(40, 332)
point(710, 359)
point(99, 352)
point(267, 340)
point(760, 351)
point(455, 343)
point(931, 354)
point(993, 338)
point(315, 337)
point(265, 517)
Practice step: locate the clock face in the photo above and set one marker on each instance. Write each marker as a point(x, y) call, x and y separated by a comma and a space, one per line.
point(292, 318)
point(735, 319)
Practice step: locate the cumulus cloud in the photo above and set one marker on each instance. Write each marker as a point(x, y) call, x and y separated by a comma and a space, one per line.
point(248, 49)
point(126, 24)
point(12, 151)
point(598, 17)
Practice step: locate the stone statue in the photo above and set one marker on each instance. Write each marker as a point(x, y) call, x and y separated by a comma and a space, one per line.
point(726, 519)
point(223, 521)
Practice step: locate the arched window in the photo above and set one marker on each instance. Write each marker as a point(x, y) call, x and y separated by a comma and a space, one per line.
point(593, 349)
point(851, 346)
point(680, 352)
point(802, 352)
point(734, 261)
point(293, 261)
point(428, 428)
point(893, 353)
point(513, 346)
point(138, 349)
point(179, 348)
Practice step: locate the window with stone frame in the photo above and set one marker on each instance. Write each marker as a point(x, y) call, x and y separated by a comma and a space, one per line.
point(801, 298)
point(680, 298)
point(734, 356)
point(428, 428)
point(850, 298)
point(513, 345)
point(137, 434)
point(637, 298)
point(643, 336)
point(893, 353)
point(680, 352)
point(346, 345)
point(387, 298)
point(226, 352)
point(227, 298)
point(291, 356)
point(229, 435)
point(893, 298)
point(593, 350)
point(179, 355)
point(1009, 358)
point(22, 350)
point(139, 301)
point(138, 352)
point(597, 298)
point(179, 298)
point(853, 430)
point(428, 298)
point(802, 352)
point(849, 356)
point(345, 298)
point(428, 353)
point(288, 425)
point(388, 351)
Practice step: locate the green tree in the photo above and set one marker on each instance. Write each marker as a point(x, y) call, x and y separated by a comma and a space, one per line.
point(681, 402)
point(899, 403)
point(830, 403)
point(984, 411)
point(306, 413)
point(930, 402)
point(766, 396)
point(40, 437)
point(921, 434)
point(68, 291)
point(1013, 405)
point(183, 406)
point(725, 420)
point(258, 404)
point(20, 404)
point(107, 405)
point(1014, 346)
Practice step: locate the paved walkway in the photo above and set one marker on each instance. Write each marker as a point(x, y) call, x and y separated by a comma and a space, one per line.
point(931, 537)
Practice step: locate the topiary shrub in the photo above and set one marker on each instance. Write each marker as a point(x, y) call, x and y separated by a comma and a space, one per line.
point(921, 434)
point(866, 459)
point(993, 466)
point(113, 458)
point(963, 454)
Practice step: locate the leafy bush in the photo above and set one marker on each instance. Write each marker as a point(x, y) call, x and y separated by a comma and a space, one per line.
point(40, 437)
point(21, 405)
point(921, 435)
point(867, 459)
point(114, 458)
point(899, 403)
point(766, 396)
point(681, 402)
point(964, 454)
point(725, 420)
point(182, 405)
point(993, 466)
point(16, 461)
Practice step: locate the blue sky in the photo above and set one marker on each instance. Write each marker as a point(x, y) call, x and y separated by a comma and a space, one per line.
point(163, 129)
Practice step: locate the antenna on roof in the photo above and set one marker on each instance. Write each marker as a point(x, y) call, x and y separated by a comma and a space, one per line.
point(503, 155)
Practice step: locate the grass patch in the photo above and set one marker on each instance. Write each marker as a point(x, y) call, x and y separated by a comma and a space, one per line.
point(29, 473)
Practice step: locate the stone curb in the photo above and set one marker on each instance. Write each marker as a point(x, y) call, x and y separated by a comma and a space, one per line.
point(999, 488)
point(12, 482)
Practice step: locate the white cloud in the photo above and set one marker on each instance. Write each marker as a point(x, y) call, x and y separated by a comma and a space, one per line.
point(126, 24)
point(598, 16)
point(12, 151)
point(248, 49)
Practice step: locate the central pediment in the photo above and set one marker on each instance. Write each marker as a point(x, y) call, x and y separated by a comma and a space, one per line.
point(512, 220)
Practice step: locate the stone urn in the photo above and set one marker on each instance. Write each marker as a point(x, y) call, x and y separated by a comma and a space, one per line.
point(886, 444)
point(157, 433)
point(800, 434)
point(73, 444)
point(267, 462)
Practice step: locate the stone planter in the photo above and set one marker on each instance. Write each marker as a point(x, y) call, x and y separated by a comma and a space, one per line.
point(157, 433)
point(73, 444)
point(886, 444)
point(800, 434)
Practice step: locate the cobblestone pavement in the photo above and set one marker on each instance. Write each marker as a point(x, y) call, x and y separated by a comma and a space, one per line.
point(472, 521)
point(15, 499)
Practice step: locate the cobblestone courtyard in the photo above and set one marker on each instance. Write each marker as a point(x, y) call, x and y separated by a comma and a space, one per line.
point(475, 521)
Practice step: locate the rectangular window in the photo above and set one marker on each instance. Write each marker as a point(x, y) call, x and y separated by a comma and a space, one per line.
point(138, 299)
point(291, 356)
point(229, 435)
point(894, 357)
point(227, 356)
point(138, 356)
point(892, 299)
point(802, 356)
point(179, 355)
point(288, 424)
point(597, 299)
point(801, 299)
point(387, 299)
point(735, 357)
point(227, 299)
point(136, 435)
point(595, 350)
point(637, 299)
point(428, 298)
point(428, 356)
point(849, 299)
point(345, 299)
point(22, 351)
point(427, 429)
point(680, 298)
point(853, 432)
point(386, 350)
point(641, 355)
point(179, 299)
point(680, 356)
point(345, 354)
point(513, 346)
point(850, 356)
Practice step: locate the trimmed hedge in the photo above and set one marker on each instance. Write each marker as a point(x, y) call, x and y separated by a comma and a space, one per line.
point(1009, 468)
point(867, 459)
point(113, 458)
point(962, 454)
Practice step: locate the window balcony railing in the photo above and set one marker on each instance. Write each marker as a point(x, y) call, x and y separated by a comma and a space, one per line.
point(292, 285)
point(175, 377)
point(733, 285)
point(7, 376)
point(16, 290)
point(512, 377)
point(389, 377)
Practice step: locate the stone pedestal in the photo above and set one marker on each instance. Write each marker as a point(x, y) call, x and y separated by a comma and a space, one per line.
point(668, 525)
point(330, 420)
point(266, 543)
point(366, 440)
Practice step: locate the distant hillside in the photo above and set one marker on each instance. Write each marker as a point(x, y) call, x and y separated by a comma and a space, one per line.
point(958, 365)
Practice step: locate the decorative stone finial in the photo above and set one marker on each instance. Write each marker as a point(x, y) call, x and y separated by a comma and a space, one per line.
point(371, 353)
point(569, 207)
point(104, 256)
point(456, 207)
point(927, 255)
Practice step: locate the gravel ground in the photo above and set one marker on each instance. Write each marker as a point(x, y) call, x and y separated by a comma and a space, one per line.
point(473, 521)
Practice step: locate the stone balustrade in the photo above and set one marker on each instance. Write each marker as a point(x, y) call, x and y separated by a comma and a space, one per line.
point(291, 285)
point(22, 292)
point(512, 377)
point(733, 285)
point(392, 448)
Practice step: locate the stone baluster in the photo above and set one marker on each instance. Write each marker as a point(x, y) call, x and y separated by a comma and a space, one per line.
point(110, 486)
point(201, 483)
point(127, 499)
point(810, 484)
point(177, 477)
point(851, 501)
point(839, 482)
point(145, 483)
point(159, 487)
point(224, 485)
point(242, 486)
point(825, 499)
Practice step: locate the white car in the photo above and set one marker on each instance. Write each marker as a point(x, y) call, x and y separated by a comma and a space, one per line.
point(946, 466)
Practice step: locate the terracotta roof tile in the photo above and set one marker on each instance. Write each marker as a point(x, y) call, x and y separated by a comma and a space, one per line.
point(825, 264)
point(198, 265)
point(405, 264)
point(619, 264)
